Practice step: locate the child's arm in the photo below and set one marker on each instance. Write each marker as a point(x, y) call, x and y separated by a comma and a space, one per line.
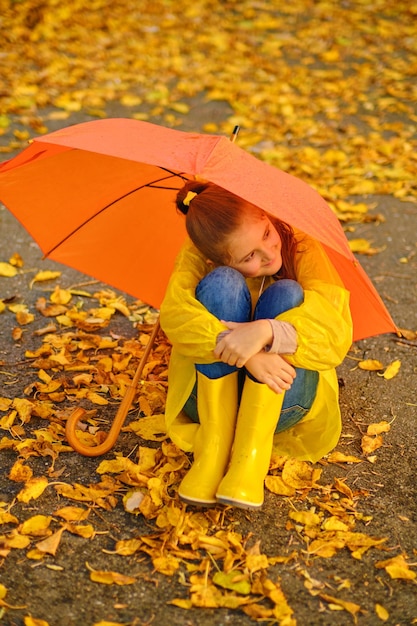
point(272, 370)
point(243, 341)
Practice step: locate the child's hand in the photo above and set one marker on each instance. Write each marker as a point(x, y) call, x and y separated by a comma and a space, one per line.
point(272, 370)
point(244, 341)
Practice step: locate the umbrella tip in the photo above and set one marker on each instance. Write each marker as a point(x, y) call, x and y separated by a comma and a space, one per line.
point(235, 133)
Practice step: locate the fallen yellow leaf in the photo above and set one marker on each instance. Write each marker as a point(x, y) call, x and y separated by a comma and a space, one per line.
point(33, 489)
point(275, 484)
point(31, 621)
point(167, 565)
point(300, 474)
point(370, 444)
point(24, 408)
point(370, 365)
point(340, 457)
point(325, 548)
point(111, 578)
point(363, 246)
point(376, 429)
point(397, 567)
point(5, 403)
point(350, 607)
point(20, 472)
point(7, 270)
point(234, 580)
point(105, 623)
point(96, 398)
point(151, 428)
point(72, 513)
point(306, 518)
point(392, 370)
point(44, 276)
point(7, 518)
point(60, 296)
point(127, 547)
point(381, 612)
point(36, 526)
point(17, 541)
point(82, 530)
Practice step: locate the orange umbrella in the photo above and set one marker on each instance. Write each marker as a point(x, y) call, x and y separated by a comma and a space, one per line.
point(100, 197)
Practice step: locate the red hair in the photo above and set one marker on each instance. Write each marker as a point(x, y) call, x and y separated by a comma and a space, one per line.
point(214, 213)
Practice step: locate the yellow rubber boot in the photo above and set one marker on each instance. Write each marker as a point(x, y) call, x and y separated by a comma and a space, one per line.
point(217, 408)
point(243, 485)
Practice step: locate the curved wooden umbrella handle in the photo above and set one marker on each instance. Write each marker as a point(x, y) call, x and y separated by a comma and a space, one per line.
point(122, 411)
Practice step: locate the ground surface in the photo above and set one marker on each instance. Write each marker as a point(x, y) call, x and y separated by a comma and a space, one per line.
point(68, 597)
point(379, 495)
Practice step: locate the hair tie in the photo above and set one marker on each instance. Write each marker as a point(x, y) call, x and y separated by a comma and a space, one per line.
point(190, 195)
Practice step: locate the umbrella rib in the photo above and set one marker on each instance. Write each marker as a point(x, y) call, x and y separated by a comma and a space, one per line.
point(152, 184)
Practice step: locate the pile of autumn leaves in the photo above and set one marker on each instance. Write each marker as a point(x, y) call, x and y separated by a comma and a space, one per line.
point(80, 361)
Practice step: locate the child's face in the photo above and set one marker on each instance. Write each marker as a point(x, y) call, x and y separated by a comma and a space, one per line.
point(255, 247)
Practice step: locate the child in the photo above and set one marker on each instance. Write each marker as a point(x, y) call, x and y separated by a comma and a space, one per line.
point(258, 320)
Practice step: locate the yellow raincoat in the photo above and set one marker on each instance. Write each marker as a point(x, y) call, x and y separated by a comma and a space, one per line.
point(324, 335)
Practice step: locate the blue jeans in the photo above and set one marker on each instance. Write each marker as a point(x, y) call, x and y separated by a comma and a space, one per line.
point(225, 294)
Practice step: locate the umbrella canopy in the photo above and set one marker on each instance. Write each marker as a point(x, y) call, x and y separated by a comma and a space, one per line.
point(100, 197)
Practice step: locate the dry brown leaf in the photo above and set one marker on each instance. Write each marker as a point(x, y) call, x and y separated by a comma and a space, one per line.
point(51, 544)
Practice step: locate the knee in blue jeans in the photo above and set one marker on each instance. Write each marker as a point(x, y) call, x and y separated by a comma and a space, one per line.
point(279, 297)
point(225, 294)
point(294, 293)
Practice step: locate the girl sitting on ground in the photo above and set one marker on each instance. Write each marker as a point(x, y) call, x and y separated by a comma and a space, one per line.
point(258, 319)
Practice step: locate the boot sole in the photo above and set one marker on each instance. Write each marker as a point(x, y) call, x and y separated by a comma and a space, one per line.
point(241, 504)
point(196, 502)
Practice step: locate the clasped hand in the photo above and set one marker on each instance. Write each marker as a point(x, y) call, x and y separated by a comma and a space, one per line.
point(244, 346)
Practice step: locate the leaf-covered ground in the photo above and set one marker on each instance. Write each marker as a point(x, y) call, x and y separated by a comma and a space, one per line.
point(324, 90)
